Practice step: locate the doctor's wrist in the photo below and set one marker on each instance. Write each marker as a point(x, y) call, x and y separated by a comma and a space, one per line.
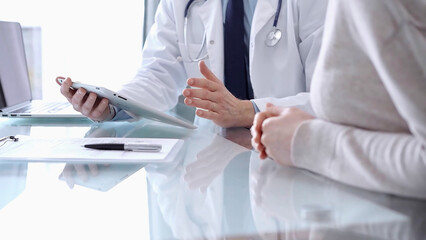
point(110, 114)
point(247, 114)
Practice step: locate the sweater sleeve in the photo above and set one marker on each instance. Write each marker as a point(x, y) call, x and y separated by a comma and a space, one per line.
point(382, 161)
point(387, 162)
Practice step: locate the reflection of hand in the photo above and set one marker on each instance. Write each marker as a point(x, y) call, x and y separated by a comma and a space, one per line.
point(273, 132)
point(218, 104)
point(240, 136)
point(210, 163)
point(262, 189)
point(281, 192)
point(81, 171)
point(89, 104)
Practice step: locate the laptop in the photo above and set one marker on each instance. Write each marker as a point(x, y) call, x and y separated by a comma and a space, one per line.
point(15, 88)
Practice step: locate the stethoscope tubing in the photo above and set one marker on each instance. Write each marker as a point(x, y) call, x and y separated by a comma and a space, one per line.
point(199, 57)
point(276, 18)
point(188, 5)
point(277, 13)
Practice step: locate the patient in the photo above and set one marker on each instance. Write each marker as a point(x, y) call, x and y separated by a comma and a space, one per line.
point(369, 95)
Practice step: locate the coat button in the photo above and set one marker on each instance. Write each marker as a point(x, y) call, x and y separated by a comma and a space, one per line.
point(211, 42)
point(179, 59)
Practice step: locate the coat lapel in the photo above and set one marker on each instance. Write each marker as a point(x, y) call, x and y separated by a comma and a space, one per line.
point(210, 13)
point(265, 9)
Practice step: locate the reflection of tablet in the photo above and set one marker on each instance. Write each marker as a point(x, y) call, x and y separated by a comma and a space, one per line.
point(132, 106)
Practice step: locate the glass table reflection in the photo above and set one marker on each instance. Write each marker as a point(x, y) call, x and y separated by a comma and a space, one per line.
point(216, 188)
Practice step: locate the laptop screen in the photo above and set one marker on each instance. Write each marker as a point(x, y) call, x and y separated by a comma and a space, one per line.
point(14, 80)
point(2, 100)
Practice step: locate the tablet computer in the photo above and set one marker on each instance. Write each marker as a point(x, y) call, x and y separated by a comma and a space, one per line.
point(132, 106)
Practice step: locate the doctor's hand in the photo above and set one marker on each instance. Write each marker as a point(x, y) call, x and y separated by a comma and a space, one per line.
point(273, 131)
point(210, 163)
point(216, 103)
point(89, 104)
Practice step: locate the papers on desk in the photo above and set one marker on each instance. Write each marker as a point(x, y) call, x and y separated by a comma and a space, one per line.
point(72, 150)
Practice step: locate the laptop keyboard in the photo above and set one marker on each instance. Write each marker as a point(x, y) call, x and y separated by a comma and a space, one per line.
point(50, 107)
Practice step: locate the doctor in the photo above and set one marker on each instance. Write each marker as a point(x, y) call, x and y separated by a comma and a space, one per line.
point(279, 41)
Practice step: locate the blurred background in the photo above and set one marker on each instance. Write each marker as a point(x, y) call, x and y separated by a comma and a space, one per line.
point(96, 42)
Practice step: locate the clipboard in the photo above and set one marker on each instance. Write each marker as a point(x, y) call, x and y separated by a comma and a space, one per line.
point(71, 150)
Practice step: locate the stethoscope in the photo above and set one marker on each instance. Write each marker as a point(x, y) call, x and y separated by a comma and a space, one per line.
point(199, 57)
point(272, 38)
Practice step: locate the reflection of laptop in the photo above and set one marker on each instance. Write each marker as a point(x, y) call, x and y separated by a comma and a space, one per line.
point(15, 90)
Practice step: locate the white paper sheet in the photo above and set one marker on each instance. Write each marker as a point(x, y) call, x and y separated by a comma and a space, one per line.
point(72, 150)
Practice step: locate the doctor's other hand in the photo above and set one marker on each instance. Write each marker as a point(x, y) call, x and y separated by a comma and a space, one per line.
point(89, 104)
point(215, 102)
point(273, 131)
point(210, 163)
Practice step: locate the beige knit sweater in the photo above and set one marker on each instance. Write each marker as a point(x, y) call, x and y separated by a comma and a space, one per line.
point(369, 93)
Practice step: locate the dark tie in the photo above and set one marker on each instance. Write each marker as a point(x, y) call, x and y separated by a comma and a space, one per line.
point(235, 63)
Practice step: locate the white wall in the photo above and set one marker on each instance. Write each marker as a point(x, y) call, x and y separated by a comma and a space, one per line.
point(93, 41)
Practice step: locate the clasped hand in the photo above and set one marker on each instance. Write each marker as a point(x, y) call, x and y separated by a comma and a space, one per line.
point(273, 131)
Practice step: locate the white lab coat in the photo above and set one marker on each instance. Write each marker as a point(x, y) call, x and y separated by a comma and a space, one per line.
point(277, 73)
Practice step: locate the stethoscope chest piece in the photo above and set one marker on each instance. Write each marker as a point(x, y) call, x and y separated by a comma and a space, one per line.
point(273, 37)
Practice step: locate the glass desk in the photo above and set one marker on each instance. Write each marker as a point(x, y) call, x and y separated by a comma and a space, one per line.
point(216, 188)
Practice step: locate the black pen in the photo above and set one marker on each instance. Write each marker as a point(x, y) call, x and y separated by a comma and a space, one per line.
point(135, 147)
